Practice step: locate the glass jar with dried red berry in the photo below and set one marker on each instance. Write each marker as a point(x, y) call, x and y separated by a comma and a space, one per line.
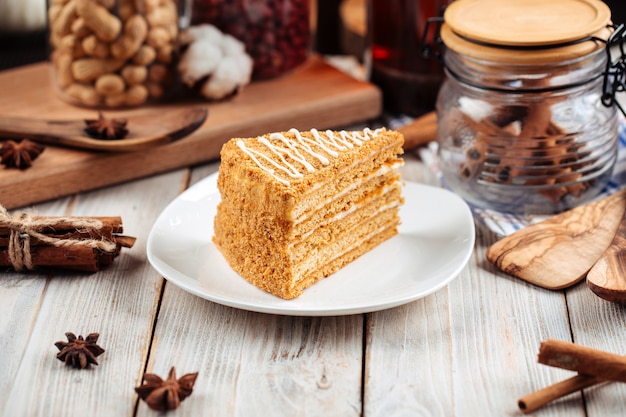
point(276, 33)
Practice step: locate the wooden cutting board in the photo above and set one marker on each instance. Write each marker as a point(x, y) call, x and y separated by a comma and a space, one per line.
point(314, 96)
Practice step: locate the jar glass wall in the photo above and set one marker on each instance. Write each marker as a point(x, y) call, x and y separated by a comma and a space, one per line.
point(276, 33)
point(526, 138)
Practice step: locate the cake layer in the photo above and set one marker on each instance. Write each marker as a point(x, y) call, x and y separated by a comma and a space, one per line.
point(297, 206)
point(318, 256)
point(284, 267)
point(356, 190)
point(322, 262)
point(258, 185)
point(372, 165)
point(320, 228)
point(312, 249)
point(348, 200)
point(337, 263)
point(332, 228)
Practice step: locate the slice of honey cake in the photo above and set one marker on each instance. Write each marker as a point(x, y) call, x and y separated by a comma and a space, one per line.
point(298, 206)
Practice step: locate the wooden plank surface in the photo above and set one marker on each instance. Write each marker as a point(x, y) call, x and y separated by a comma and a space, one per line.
point(466, 350)
point(20, 303)
point(469, 349)
point(315, 95)
point(119, 302)
point(599, 324)
point(253, 363)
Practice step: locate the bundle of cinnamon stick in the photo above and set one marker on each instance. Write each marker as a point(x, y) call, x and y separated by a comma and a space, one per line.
point(524, 146)
point(593, 367)
point(29, 242)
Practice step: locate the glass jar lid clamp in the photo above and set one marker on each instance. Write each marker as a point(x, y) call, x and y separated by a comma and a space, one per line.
point(614, 75)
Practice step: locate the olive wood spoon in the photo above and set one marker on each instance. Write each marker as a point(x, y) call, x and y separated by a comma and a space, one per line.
point(607, 278)
point(559, 251)
point(145, 129)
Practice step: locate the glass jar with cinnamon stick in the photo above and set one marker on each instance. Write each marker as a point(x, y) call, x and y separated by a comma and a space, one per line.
point(526, 121)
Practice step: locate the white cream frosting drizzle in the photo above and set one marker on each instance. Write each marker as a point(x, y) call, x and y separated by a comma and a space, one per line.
point(300, 148)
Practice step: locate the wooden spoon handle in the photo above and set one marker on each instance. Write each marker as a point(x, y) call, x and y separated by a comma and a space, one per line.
point(20, 128)
point(420, 131)
point(607, 278)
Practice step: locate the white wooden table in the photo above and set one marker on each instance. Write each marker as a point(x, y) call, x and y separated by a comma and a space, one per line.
point(468, 349)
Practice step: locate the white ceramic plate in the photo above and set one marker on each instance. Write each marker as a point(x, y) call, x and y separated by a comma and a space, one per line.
point(435, 241)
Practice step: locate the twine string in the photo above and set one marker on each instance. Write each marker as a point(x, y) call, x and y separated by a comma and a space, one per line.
point(23, 227)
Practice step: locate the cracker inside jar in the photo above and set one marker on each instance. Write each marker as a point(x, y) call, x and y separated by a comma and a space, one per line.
point(108, 53)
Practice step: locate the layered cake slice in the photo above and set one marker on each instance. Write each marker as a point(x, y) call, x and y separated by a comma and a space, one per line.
point(298, 206)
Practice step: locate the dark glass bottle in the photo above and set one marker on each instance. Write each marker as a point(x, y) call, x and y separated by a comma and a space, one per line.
point(409, 81)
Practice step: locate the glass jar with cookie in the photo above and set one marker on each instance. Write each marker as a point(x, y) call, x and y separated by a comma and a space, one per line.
point(113, 53)
point(526, 119)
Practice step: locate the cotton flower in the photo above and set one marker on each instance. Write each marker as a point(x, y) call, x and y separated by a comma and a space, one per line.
point(215, 62)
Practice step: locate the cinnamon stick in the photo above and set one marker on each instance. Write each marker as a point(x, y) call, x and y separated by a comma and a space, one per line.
point(72, 243)
point(64, 224)
point(124, 241)
point(593, 367)
point(74, 258)
point(538, 399)
point(523, 145)
point(583, 360)
point(420, 131)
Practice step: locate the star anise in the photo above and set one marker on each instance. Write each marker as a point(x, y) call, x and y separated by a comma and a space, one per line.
point(79, 352)
point(19, 154)
point(103, 128)
point(165, 395)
